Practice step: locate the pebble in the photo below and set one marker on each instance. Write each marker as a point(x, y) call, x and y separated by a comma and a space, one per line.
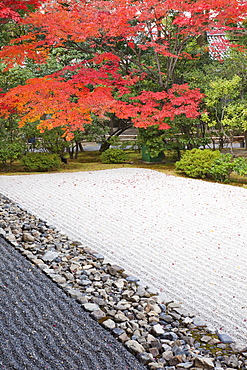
point(134, 346)
point(59, 279)
point(158, 330)
point(224, 338)
point(197, 321)
point(91, 307)
point(98, 315)
point(160, 333)
point(204, 362)
point(74, 293)
point(50, 256)
point(109, 324)
point(145, 357)
point(26, 237)
point(132, 279)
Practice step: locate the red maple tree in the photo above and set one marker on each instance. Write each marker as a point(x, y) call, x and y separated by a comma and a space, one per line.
point(125, 46)
point(10, 9)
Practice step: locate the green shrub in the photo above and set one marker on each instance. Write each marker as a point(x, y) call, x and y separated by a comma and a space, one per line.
point(221, 168)
point(10, 151)
point(41, 161)
point(113, 155)
point(196, 162)
point(240, 166)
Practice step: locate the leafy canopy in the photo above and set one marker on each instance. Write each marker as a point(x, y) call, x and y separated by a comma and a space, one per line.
point(121, 46)
point(13, 9)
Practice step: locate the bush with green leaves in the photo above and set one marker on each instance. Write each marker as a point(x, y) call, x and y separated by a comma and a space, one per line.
point(113, 155)
point(211, 164)
point(41, 162)
point(196, 163)
point(10, 151)
point(240, 166)
point(12, 144)
point(153, 139)
point(221, 168)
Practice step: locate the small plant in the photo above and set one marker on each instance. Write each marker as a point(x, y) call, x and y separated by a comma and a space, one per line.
point(113, 155)
point(40, 162)
point(196, 163)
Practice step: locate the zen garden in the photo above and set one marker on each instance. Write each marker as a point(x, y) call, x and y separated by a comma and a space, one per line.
point(123, 165)
point(150, 84)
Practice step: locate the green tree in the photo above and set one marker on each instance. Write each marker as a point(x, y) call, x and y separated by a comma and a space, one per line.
point(185, 133)
point(51, 141)
point(12, 144)
point(226, 112)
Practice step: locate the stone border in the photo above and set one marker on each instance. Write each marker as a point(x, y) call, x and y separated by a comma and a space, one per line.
point(161, 334)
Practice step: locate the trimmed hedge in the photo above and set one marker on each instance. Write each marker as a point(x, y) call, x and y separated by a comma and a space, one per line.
point(211, 164)
point(113, 155)
point(196, 163)
point(222, 168)
point(41, 162)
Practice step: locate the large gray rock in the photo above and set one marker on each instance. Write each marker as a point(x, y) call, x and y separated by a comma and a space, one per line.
point(134, 346)
point(145, 357)
point(224, 338)
point(109, 324)
point(91, 307)
point(169, 336)
point(59, 279)
point(197, 321)
point(120, 317)
point(204, 363)
point(26, 237)
point(50, 256)
point(74, 293)
point(167, 355)
point(158, 330)
point(98, 314)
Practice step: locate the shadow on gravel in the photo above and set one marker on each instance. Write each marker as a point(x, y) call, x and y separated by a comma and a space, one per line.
point(42, 328)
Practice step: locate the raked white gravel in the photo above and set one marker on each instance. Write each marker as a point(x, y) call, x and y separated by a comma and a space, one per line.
point(186, 238)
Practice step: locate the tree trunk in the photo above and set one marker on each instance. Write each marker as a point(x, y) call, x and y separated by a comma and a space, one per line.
point(71, 152)
point(178, 153)
point(80, 146)
point(76, 149)
point(245, 139)
point(104, 146)
point(221, 143)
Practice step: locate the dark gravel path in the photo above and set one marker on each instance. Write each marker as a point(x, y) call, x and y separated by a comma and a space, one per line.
point(42, 328)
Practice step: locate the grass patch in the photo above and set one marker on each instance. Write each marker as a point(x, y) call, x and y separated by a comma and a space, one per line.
point(90, 161)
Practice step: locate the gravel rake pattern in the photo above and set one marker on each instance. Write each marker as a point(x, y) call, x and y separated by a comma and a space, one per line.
point(42, 328)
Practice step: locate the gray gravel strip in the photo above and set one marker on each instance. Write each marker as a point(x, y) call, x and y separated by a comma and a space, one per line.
point(42, 328)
